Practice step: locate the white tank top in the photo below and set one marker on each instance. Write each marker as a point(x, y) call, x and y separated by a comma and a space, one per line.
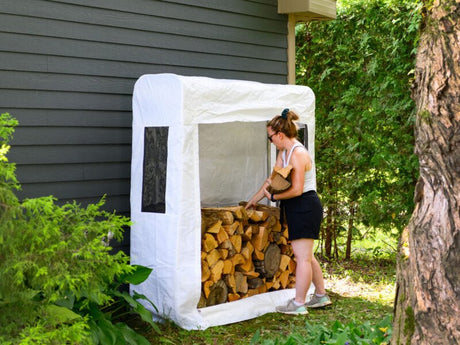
point(310, 175)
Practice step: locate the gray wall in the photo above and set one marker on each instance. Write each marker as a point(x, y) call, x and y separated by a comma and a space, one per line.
point(68, 67)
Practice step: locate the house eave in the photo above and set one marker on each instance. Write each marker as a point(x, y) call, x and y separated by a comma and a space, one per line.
point(308, 10)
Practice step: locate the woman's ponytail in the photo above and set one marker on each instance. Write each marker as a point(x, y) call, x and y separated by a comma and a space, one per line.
point(284, 123)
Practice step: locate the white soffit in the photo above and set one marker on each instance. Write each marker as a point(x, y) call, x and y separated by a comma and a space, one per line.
point(307, 10)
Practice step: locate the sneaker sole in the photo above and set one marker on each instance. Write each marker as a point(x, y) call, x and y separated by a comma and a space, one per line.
point(293, 312)
point(319, 305)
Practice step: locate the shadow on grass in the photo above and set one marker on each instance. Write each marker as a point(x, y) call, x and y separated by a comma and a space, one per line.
point(366, 270)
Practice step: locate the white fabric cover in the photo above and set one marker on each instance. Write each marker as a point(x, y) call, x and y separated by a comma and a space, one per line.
point(217, 128)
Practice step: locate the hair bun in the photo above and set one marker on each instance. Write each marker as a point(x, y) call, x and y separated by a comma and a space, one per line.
point(284, 113)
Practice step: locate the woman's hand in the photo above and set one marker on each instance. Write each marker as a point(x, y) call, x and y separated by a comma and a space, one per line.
point(267, 194)
point(251, 203)
point(254, 200)
point(258, 196)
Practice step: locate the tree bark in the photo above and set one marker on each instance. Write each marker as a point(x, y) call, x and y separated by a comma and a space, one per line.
point(328, 231)
point(427, 304)
point(351, 219)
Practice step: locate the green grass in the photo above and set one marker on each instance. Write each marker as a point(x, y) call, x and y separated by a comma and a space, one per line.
point(362, 291)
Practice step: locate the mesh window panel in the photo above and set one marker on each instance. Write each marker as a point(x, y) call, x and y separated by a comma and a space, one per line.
point(154, 175)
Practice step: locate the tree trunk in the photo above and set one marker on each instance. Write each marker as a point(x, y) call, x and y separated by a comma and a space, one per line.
point(351, 219)
point(427, 306)
point(328, 232)
point(334, 236)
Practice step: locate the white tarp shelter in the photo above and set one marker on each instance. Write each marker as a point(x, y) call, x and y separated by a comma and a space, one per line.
point(216, 154)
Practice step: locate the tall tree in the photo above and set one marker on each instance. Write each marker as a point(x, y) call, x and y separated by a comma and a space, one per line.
point(427, 305)
point(360, 67)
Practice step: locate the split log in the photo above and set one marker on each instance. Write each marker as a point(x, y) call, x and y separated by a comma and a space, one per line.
point(223, 253)
point(271, 262)
point(226, 217)
point(237, 242)
point(233, 297)
point(275, 211)
point(207, 221)
point(247, 235)
point(227, 244)
point(216, 271)
point(241, 282)
point(214, 228)
point(251, 274)
point(255, 228)
point(228, 267)
point(209, 243)
point(250, 247)
point(218, 294)
point(269, 285)
point(202, 301)
point(233, 228)
point(231, 282)
point(207, 288)
point(276, 283)
point(286, 250)
point(284, 262)
point(212, 257)
point(238, 259)
point(240, 229)
point(258, 255)
point(253, 292)
point(260, 240)
point(291, 282)
point(257, 216)
point(262, 289)
point(247, 266)
point(286, 233)
point(255, 283)
point(277, 227)
point(270, 222)
point(222, 235)
point(292, 266)
point(237, 212)
point(284, 279)
point(205, 271)
point(247, 254)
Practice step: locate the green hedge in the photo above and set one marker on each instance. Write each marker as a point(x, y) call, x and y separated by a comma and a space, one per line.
point(59, 280)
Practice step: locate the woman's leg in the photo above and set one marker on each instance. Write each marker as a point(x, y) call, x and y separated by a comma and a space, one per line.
point(317, 277)
point(320, 298)
point(303, 252)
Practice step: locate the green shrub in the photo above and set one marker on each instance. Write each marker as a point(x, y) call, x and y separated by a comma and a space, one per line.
point(59, 281)
point(339, 334)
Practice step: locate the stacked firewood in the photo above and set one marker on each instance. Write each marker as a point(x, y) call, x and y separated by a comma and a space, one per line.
point(243, 253)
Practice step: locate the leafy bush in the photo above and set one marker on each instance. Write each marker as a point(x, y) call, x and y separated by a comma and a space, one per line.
point(59, 281)
point(338, 334)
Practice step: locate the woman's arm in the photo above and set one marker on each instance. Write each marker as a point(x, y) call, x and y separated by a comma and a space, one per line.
point(259, 195)
point(262, 192)
point(301, 162)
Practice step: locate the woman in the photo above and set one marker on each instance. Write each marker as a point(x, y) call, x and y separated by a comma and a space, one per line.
point(302, 208)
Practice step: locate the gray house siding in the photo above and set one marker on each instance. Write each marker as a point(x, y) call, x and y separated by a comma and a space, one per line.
point(67, 71)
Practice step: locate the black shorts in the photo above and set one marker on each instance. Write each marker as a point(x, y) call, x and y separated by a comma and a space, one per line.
point(304, 214)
